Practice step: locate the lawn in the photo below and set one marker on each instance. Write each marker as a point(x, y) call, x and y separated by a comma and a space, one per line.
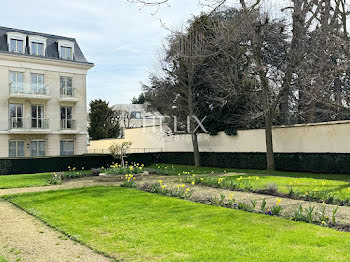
point(173, 169)
point(320, 185)
point(138, 226)
point(320, 188)
point(13, 181)
point(31, 180)
point(2, 259)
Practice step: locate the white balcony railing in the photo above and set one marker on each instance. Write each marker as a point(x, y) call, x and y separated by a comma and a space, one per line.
point(29, 124)
point(68, 124)
point(29, 89)
point(68, 92)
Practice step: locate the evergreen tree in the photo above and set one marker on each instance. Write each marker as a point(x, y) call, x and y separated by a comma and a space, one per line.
point(103, 123)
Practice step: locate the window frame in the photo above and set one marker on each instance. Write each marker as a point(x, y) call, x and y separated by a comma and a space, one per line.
point(36, 87)
point(66, 90)
point(66, 152)
point(38, 120)
point(21, 118)
point(66, 122)
point(16, 37)
point(134, 114)
point(16, 86)
point(17, 151)
point(36, 51)
point(65, 44)
point(37, 147)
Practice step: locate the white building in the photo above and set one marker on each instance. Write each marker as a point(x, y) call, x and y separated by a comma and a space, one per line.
point(137, 115)
point(42, 95)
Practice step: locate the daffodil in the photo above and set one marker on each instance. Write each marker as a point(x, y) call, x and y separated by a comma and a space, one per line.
point(323, 183)
point(193, 183)
point(278, 201)
point(160, 181)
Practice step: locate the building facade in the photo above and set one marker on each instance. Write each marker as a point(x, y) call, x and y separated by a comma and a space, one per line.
point(42, 95)
point(137, 115)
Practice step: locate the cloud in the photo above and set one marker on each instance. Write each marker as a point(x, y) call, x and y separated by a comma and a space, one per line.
point(114, 34)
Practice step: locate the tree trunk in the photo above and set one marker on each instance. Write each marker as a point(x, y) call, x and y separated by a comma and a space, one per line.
point(195, 149)
point(284, 109)
point(270, 160)
point(268, 120)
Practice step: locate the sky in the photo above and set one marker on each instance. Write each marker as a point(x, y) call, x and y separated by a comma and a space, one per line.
point(117, 36)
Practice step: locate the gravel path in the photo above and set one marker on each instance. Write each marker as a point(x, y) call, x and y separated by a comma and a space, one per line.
point(25, 238)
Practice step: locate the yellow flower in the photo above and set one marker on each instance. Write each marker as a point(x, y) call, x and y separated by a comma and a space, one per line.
point(290, 183)
point(68, 167)
point(178, 187)
point(187, 189)
point(163, 187)
point(183, 185)
point(278, 201)
point(315, 189)
point(202, 179)
point(193, 183)
point(306, 193)
point(349, 188)
point(257, 178)
point(231, 196)
point(323, 183)
point(160, 181)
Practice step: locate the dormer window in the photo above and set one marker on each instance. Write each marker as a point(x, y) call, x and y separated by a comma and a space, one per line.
point(66, 52)
point(16, 45)
point(37, 45)
point(66, 49)
point(16, 42)
point(37, 49)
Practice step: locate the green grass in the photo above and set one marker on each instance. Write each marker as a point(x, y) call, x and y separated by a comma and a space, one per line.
point(321, 185)
point(137, 226)
point(173, 169)
point(320, 188)
point(13, 181)
point(2, 259)
point(31, 180)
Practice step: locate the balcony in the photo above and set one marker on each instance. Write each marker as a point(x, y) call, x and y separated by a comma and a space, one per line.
point(68, 95)
point(68, 124)
point(19, 125)
point(24, 90)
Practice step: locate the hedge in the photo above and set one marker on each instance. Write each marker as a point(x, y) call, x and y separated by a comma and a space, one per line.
point(60, 163)
point(299, 162)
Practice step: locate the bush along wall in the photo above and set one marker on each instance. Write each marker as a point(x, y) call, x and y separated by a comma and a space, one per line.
point(299, 162)
point(9, 166)
point(28, 165)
